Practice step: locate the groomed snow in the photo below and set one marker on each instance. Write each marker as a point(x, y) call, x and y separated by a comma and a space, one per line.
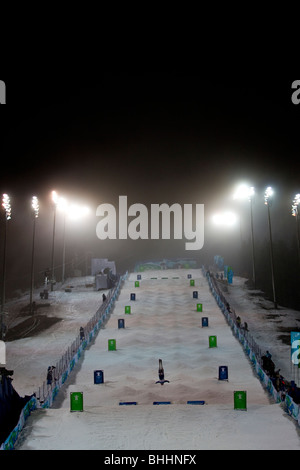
point(164, 324)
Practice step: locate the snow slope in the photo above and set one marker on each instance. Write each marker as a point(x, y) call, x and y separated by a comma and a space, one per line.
point(163, 324)
point(30, 357)
point(265, 323)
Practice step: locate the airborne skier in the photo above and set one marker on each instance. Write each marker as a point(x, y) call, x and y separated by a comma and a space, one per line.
point(161, 373)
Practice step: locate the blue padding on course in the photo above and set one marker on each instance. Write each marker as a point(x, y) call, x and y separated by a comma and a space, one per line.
point(128, 403)
point(196, 402)
point(161, 403)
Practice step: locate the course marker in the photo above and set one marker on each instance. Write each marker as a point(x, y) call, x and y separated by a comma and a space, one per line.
point(195, 402)
point(127, 403)
point(161, 403)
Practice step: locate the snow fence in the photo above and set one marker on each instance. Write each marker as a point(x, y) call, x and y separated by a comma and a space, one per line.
point(252, 350)
point(44, 397)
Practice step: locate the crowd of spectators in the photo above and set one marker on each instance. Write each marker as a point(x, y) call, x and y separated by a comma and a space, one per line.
point(283, 386)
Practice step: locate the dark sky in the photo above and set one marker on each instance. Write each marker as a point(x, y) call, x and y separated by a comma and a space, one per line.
point(154, 138)
point(180, 133)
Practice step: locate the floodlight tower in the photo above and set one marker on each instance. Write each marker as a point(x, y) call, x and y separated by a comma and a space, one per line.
point(245, 192)
point(7, 208)
point(63, 206)
point(268, 202)
point(295, 213)
point(55, 201)
point(36, 208)
point(74, 212)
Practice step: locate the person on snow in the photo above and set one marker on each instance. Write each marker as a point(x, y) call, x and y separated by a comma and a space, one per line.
point(161, 372)
point(50, 375)
point(81, 332)
point(268, 365)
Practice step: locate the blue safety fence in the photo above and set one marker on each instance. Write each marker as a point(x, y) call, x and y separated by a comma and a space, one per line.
point(47, 393)
point(9, 443)
point(252, 349)
point(44, 397)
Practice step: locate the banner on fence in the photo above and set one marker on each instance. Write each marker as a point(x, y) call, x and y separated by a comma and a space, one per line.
point(295, 346)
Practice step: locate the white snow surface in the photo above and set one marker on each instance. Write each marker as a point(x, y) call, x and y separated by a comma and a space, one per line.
point(163, 324)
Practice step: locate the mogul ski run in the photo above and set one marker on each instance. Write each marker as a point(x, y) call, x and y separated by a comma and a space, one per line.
point(185, 220)
point(151, 459)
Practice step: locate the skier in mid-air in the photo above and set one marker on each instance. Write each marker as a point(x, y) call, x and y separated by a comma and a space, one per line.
point(161, 373)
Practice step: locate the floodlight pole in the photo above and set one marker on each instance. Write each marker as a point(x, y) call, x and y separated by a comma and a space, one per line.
point(75, 211)
point(3, 278)
point(36, 213)
point(64, 250)
point(268, 203)
point(52, 257)
point(252, 239)
point(32, 266)
point(298, 232)
point(242, 193)
point(7, 207)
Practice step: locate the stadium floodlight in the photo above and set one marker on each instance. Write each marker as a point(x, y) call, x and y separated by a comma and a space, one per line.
point(244, 192)
point(35, 206)
point(269, 196)
point(295, 205)
point(7, 206)
point(268, 202)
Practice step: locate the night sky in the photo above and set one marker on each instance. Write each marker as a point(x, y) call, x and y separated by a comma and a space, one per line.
point(155, 139)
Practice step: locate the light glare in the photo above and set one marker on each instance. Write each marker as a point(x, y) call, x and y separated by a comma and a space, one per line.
point(54, 197)
point(244, 192)
point(62, 204)
point(71, 210)
point(224, 219)
point(75, 211)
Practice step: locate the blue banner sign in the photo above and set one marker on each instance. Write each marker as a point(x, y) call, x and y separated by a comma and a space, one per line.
point(295, 346)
